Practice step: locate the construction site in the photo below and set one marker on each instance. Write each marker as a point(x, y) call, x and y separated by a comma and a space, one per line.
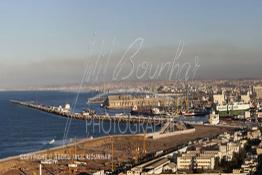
point(108, 154)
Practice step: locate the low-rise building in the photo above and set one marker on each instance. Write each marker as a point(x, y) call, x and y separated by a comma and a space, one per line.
point(152, 167)
point(170, 168)
point(219, 99)
point(245, 98)
point(196, 160)
point(258, 91)
point(250, 164)
point(255, 133)
point(213, 119)
point(259, 149)
point(227, 150)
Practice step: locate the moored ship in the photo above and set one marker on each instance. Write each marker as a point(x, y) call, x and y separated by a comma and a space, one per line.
point(195, 112)
point(238, 106)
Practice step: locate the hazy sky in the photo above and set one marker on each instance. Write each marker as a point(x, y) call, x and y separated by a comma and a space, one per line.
point(51, 41)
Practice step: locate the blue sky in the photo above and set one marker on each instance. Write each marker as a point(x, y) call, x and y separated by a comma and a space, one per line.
point(34, 31)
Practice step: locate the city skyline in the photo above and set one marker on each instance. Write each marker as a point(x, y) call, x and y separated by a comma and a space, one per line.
point(46, 43)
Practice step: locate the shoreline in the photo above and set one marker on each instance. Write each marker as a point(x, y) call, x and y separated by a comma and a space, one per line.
point(124, 149)
point(85, 140)
point(57, 148)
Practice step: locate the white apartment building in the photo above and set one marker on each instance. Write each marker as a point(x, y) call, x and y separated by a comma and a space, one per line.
point(197, 160)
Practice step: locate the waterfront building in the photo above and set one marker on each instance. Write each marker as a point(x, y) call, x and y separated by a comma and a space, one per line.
point(213, 119)
point(129, 101)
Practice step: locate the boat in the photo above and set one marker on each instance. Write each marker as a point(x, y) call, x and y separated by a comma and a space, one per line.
point(195, 112)
point(146, 111)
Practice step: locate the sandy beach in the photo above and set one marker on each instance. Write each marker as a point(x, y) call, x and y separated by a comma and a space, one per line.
point(126, 147)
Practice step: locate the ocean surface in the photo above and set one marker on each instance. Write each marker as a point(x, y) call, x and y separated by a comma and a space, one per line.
point(24, 130)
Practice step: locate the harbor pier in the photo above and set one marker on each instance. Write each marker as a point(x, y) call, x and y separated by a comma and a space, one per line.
point(92, 116)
